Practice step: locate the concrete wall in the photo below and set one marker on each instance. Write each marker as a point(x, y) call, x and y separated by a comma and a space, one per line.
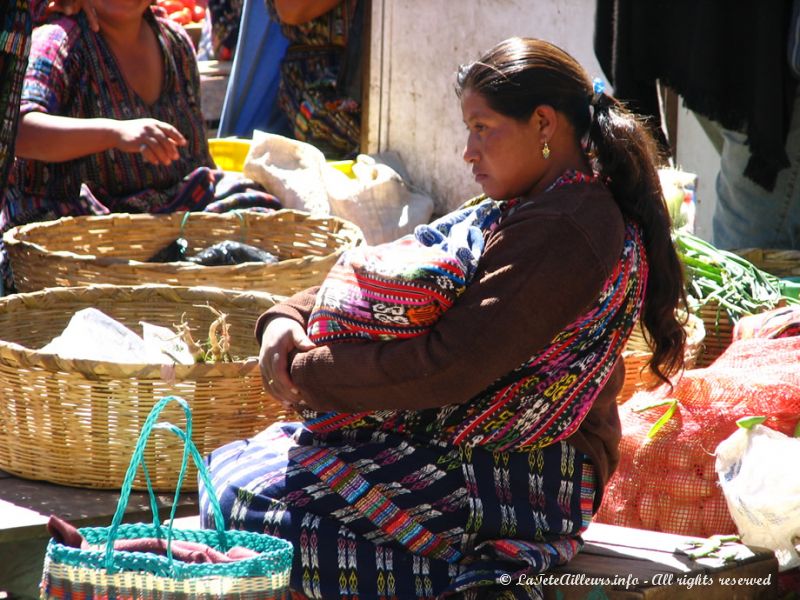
point(416, 48)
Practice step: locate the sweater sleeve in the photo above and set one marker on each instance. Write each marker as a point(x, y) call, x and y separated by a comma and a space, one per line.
point(297, 307)
point(538, 273)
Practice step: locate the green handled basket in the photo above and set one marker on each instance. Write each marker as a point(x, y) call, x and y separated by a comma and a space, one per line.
point(104, 572)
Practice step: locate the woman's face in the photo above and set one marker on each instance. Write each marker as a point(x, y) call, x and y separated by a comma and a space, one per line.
point(505, 154)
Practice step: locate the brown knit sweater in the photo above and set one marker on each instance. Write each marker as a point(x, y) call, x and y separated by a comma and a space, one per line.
point(541, 268)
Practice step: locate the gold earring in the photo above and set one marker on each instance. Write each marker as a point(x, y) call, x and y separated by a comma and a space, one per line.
point(546, 150)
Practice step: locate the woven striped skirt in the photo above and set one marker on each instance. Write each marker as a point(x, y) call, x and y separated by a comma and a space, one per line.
point(374, 515)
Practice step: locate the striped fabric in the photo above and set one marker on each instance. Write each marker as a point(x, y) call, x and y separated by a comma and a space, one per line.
point(534, 405)
point(373, 516)
point(15, 39)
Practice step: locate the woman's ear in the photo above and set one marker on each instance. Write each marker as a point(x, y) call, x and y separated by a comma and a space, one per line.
point(545, 121)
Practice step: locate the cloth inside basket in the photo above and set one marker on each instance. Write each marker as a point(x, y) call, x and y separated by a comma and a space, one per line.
point(189, 552)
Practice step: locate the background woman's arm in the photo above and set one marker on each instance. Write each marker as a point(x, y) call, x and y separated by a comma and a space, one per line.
point(53, 138)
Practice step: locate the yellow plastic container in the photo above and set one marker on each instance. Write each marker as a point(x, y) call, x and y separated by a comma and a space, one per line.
point(345, 166)
point(229, 153)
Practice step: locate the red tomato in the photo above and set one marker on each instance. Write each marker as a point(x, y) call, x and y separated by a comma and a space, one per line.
point(171, 6)
point(198, 13)
point(190, 4)
point(182, 16)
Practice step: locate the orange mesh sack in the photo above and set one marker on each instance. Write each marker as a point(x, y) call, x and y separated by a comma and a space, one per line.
point(667, 482)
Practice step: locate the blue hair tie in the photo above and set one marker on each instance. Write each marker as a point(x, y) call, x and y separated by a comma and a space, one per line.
point(598, 85)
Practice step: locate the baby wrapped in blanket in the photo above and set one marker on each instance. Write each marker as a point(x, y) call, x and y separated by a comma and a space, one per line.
point(398, 289)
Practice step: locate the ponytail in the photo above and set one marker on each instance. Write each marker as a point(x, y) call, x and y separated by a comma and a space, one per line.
point(626, 156)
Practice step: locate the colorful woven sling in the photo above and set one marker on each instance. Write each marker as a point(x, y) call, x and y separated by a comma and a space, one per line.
point(401, 288)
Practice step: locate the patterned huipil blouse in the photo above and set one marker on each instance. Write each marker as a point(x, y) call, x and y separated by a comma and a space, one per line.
point(72, 72)
point(312, 95)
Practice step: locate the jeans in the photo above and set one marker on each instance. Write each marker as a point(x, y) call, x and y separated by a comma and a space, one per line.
point(749, 216)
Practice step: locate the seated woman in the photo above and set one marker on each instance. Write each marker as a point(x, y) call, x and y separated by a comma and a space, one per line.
point(483, 444)
point(110, 121)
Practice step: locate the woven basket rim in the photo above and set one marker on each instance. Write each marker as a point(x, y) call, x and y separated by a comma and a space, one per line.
point(16, 237)
point(13, 354)
point(275, 554)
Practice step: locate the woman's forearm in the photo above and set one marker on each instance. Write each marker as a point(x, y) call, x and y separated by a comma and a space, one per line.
point(297, 12)
point(53, 138)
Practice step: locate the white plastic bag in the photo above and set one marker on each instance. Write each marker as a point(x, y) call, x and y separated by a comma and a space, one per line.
point(93, 335)
point(757, 470)
point(377, 200)
point(290, 170)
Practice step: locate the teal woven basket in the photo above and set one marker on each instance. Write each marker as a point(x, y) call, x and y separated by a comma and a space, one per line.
point(103, 572)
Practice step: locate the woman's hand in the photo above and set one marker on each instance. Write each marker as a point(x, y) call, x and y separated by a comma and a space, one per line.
point(73, 7)
point(155, 140)
point(282, 337)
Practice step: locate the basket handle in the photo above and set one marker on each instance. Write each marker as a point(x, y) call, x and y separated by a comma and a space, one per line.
point(138, 459)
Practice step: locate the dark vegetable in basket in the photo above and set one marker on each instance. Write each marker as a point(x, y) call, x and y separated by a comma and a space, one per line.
point(231, 253)
point(172, 252)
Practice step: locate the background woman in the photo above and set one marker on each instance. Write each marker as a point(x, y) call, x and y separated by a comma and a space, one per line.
point(320, 87)
point(110, 121)
point(16, 23)
point(486, 442)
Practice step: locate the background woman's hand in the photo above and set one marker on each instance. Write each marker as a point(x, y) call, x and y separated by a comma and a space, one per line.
point(157, 141)
point(282, 337)
point(73, 7)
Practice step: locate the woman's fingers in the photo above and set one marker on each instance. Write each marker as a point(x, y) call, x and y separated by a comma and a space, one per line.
point(160, 145)
point(175, 136)
point(281, 338)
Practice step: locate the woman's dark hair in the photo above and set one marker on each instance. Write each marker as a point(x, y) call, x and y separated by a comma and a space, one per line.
point(520, 74)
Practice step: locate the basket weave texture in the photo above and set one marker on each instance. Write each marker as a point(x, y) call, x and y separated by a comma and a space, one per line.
point(73, 422)
point(719, 332)
point(637, 354)
point(781, 263)
point(82, 251)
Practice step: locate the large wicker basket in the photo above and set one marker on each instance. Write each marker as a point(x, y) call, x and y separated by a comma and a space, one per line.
point(74, 422)
point(80, 251)
point(781, 263)
point(637, 354)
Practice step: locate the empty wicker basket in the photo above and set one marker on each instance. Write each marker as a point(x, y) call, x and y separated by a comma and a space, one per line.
point(80, 251)
point(74, 422)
